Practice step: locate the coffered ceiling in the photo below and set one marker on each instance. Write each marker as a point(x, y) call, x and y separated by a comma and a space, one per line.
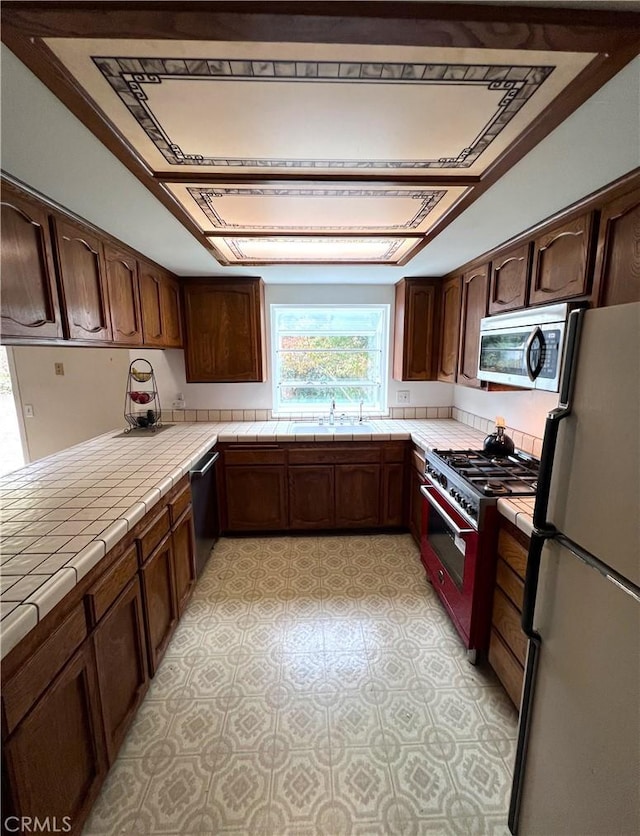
point(347, 133)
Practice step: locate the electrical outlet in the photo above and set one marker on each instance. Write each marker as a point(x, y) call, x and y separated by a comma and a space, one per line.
point(59, 368)
point(28, 410)
point(403, 396)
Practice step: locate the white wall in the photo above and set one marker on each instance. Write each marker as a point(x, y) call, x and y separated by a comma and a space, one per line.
point(525, 411)
point(170, 370)
point(86, 401)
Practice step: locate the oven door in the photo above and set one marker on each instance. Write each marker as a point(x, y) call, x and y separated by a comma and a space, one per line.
point(449, 553)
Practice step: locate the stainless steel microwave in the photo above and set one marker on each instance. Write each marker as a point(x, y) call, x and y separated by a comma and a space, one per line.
point(524, 348)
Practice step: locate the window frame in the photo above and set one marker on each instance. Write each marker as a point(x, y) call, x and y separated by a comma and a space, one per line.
point(317, 409)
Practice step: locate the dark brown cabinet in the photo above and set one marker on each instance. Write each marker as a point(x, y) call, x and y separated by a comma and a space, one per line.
point(510, 280)
point(357, 491)
point(415, 347)
point(224, 330)
point(393, 511)
point(55, 760)
point(416, 502)
point(184, 558)
point(617, 270)
point(311, 496)
point(508, 644)
point(121, 659)
point(30, 307)
point(563, 261)
point(83, 284)
point(474, 306)
point(256, 497)
point(449, 330)
point(160, 306)
point(160, 605)
point(124, 297)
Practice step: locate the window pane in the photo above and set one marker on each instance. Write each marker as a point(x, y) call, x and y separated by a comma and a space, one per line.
point(345, 397)
point(326, 367)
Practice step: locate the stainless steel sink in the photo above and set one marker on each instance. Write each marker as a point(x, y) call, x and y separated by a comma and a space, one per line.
point(320, 429)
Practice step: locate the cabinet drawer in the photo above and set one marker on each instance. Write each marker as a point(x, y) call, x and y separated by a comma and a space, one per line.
point(274, 455)
point(24, 688)
point(510, 672)
point(510, 584)
point(506, 620)
point(512, 552)
point(393, 452)
point(180, 504)
point(327, 455)
point(105, 592)
point(154, 533)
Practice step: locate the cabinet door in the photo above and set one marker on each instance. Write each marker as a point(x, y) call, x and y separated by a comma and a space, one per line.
point(84, 288)
point(357, 495)
point(124, 297)
point(393, 504)
point(415, 505)
point(121, 660)
point(617, 269)
point(562, 262)
point(256, 498)
point(311, 496)
point(415, 334)
point(56, 759)
point(184, 558)
point(150, 283)
point(510, 280)
point(449, 330)
point(223, 331)
point(474, 306)
point(159, 598)
point(171, 323)
point(29, 295)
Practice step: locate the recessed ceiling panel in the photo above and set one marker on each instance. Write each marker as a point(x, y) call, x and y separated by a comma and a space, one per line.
point(273, 108)
point(309, 249)
point(320, 207)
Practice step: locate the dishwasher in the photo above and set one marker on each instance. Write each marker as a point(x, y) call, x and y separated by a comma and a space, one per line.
point(204, 499)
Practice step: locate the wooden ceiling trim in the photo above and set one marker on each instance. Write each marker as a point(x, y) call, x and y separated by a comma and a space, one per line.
point(311, 233)
point(411, 24)
point(277, 179)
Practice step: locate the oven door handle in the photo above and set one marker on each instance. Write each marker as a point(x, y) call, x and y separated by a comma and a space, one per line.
point(459, 532)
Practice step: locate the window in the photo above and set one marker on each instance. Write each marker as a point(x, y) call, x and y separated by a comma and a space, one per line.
point(329, 353)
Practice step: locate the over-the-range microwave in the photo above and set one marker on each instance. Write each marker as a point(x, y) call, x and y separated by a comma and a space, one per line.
point(524, 348)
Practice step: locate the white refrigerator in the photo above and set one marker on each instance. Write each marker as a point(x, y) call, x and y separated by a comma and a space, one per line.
point(577, 767)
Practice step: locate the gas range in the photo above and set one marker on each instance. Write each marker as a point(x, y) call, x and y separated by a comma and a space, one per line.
point(472, 480)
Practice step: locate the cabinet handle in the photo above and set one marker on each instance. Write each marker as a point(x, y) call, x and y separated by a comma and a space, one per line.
point(440, 575)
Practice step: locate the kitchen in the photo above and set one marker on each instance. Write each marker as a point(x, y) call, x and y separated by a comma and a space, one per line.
point(551, 183)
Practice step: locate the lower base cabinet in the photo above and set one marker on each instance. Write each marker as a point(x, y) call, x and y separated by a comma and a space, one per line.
point(160, 605)
point(416, 481)
point(357, 495)
point(311, 496)
point(72, 687)
point(56, 760)
point(121, 660)
point(256, 498)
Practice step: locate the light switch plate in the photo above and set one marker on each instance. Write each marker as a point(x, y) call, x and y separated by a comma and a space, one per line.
point(403, 396)
point(28, 410)
point(59, 368)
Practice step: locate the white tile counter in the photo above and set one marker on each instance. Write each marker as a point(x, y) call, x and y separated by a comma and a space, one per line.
point(60, 515)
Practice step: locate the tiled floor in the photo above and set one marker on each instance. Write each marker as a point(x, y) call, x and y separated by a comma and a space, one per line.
point(314, 686)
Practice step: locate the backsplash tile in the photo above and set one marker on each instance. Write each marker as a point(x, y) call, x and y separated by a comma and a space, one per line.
point(523, 441)
point(223, 415)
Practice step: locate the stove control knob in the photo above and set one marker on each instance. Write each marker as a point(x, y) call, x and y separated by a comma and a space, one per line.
point(473, 512)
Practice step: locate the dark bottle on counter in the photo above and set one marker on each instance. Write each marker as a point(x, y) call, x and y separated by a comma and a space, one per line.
point(498, 444)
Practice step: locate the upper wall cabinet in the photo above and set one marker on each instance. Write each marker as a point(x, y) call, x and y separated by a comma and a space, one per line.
point(224, 330)
point(30, 306)
point(416, 329)
point(475, 285)
point(617, 271)
point(122, 282)
point(510, 280)
point(160, 304)
point(449, 330)
point(83, 284)
point(562, 261)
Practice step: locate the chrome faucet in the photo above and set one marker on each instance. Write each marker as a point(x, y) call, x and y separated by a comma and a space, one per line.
point(360, 421)
point(332, 410)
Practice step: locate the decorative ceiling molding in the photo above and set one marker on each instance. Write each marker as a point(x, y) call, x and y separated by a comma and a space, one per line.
point(373, 122)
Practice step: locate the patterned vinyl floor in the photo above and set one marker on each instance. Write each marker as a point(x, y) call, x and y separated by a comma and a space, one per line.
point(314, 686)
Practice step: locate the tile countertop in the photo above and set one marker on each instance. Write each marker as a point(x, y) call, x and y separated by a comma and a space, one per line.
point(60, 515)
